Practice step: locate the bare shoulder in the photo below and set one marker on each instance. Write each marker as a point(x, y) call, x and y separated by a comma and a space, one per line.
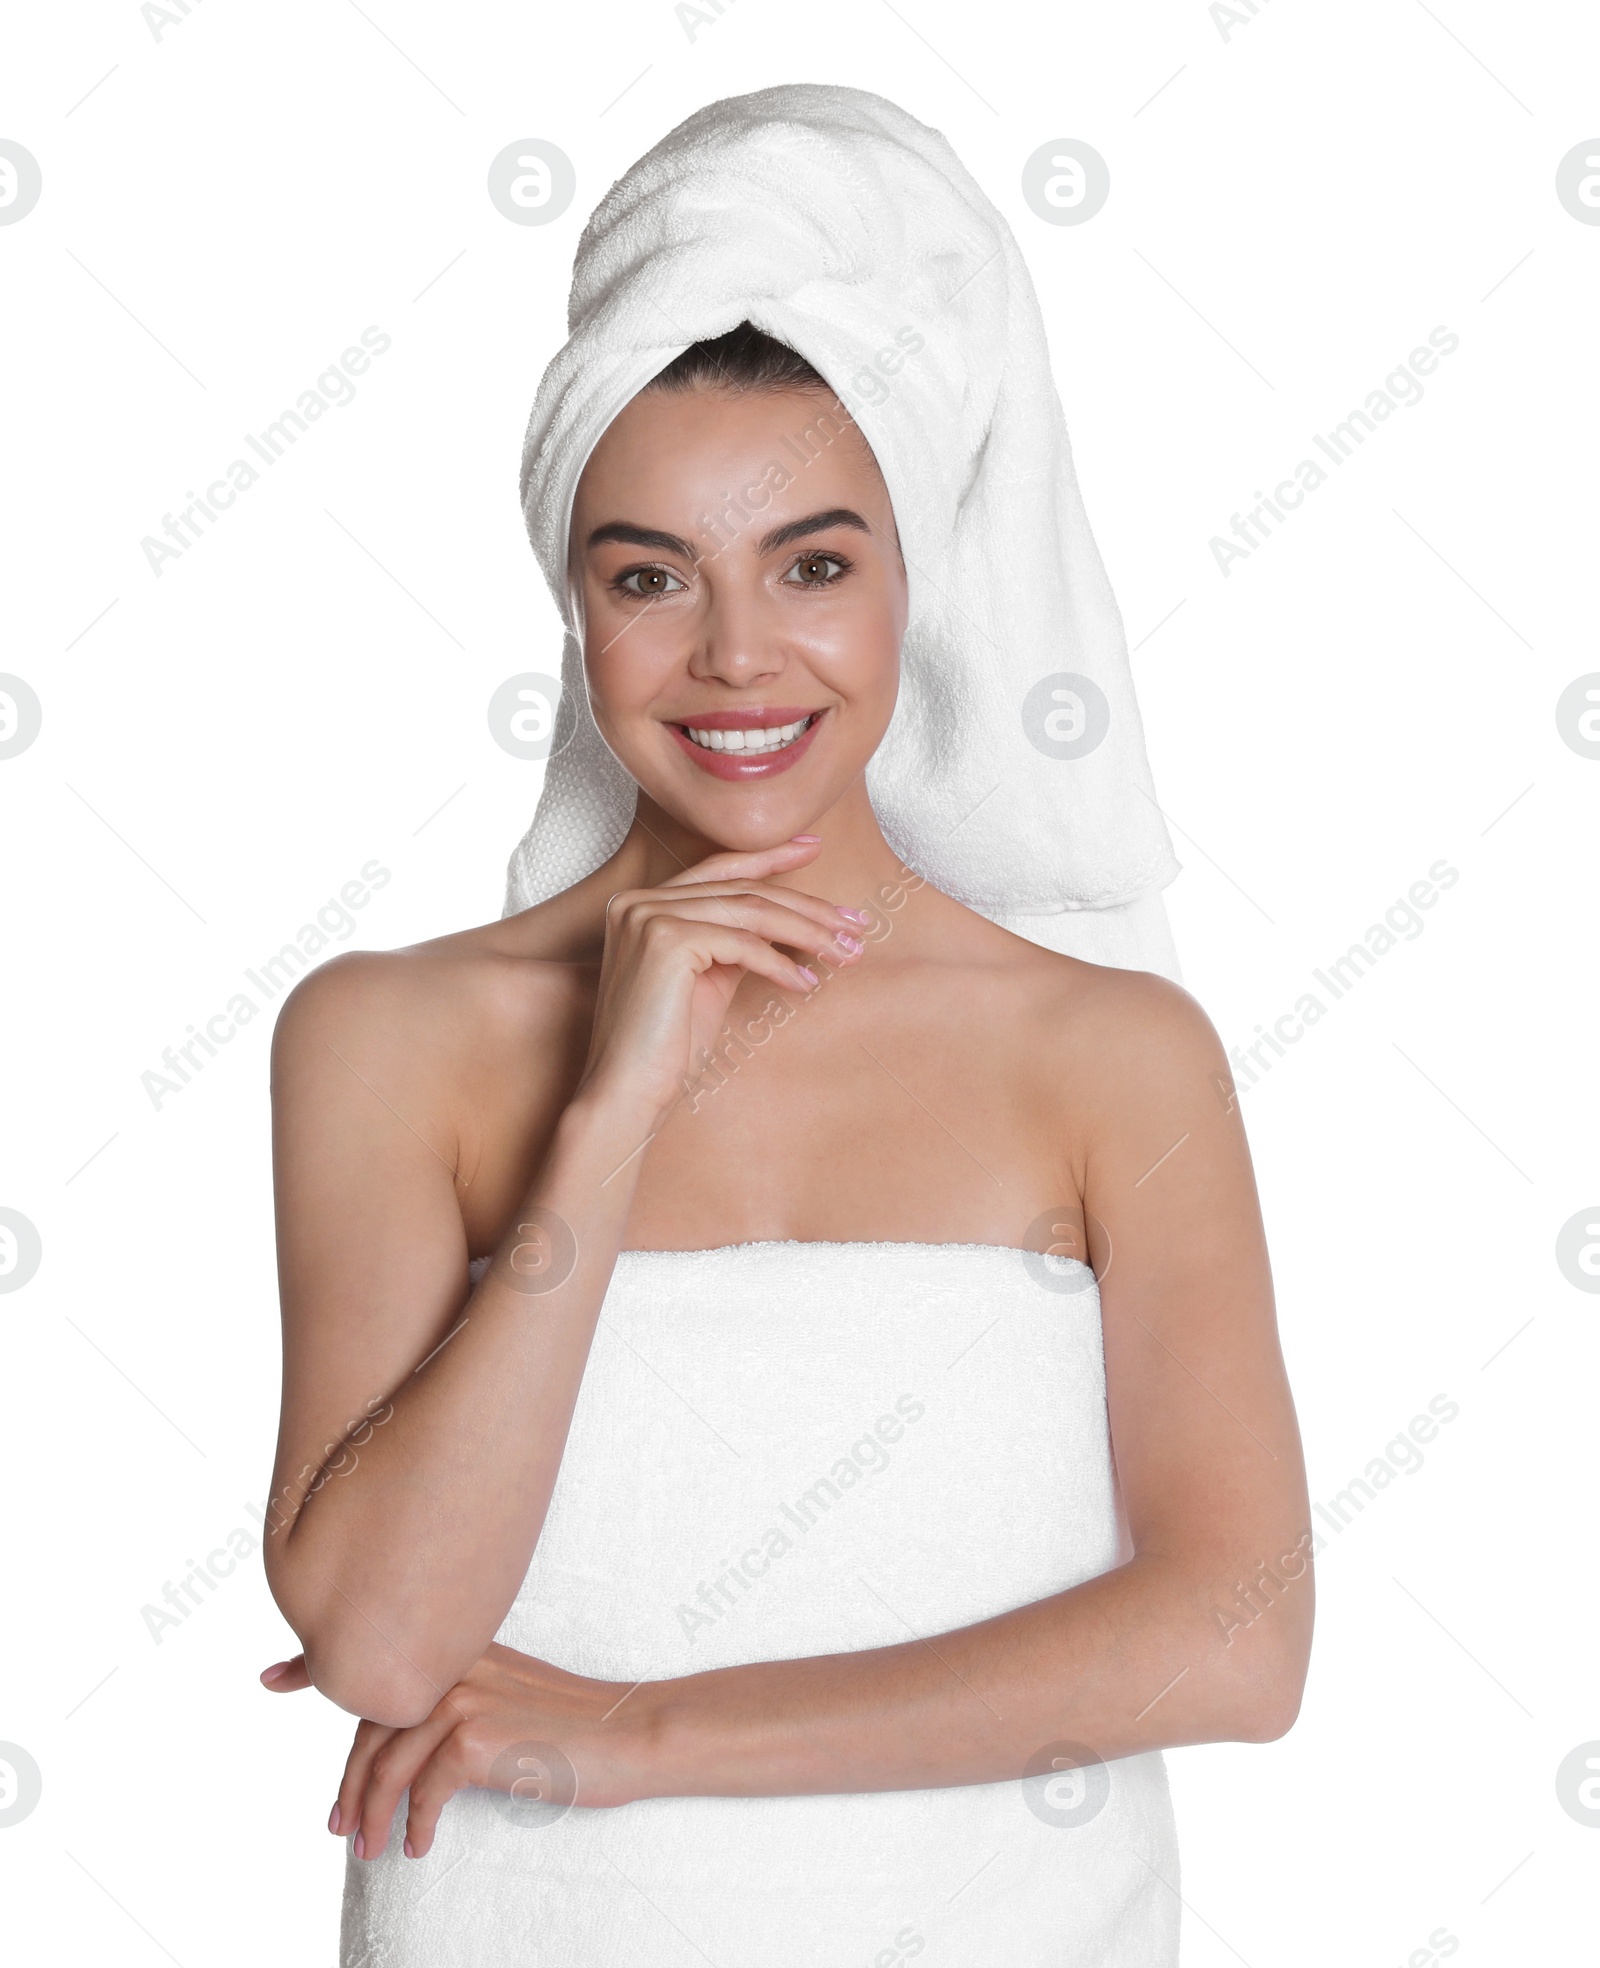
point(1137, 1019)
point(466, 978)
point(1100, 1036)
point(441, 1018)
point(1130, 1073)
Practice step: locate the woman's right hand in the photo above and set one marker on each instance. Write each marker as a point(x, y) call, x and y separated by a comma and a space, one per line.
point(675, 955)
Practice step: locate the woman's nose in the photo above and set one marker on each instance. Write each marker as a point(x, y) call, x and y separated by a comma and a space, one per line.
point(736, 643)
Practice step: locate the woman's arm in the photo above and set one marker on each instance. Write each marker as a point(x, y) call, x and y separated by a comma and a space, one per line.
point(421, 1438)
point(1204, 1634)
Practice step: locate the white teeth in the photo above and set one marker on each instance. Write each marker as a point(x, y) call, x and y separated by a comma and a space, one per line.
point(751, 739)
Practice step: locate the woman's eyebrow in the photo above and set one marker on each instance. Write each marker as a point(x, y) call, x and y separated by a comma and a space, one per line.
point(797, 529)
point(628, 535)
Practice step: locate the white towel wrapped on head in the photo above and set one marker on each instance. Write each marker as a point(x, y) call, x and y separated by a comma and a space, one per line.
point(1013, 774)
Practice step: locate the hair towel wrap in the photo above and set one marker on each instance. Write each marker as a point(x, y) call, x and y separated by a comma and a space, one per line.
point(1013, 774)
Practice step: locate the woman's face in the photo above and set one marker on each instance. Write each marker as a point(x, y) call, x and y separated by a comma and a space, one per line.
point(740, 577)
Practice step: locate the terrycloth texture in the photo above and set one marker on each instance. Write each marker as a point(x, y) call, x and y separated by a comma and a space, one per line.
point(841, 225)
point(784, 1449)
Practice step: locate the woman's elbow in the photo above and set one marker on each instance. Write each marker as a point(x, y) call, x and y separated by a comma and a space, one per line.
point(353, 1675)
point(1270, 1718)
point(1263, 1670)
point(1270, 1706)
point(350, 1665)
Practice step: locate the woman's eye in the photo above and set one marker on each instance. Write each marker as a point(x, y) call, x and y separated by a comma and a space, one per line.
point(810, 570)
point(652, 582)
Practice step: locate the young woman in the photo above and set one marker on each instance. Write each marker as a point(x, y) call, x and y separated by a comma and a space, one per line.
point(861, 1444)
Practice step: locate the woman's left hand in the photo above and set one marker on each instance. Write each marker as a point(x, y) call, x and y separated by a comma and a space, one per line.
point(580, 1741)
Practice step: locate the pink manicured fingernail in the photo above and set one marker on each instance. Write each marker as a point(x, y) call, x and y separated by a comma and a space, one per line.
point(361, 1848)
point(806, 838)
point(855, 915)
point(807, 973)
point(848, 942)
point(272, 1673)
point(409, 1853)
point(333, 1816)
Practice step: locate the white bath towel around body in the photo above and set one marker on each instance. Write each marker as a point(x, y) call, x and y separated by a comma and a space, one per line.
point(789, 1449)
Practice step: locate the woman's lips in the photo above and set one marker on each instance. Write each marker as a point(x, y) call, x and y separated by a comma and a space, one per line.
point(749, 765)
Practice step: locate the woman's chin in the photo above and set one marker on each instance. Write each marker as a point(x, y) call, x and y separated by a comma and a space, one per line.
point(750, 836)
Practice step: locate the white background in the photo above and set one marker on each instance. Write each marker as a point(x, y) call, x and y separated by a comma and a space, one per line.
point(1295, 203)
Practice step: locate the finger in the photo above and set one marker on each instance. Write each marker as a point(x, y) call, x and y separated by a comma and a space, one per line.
point(369, 1738)
point(728, 864)
point(669, 939)
point(827, 915)
point(775, 921)
point(441, 1776)
point(805, 921)
point(391, 1769)
point(770, 916)
point(286, 1677)
point(754, 953)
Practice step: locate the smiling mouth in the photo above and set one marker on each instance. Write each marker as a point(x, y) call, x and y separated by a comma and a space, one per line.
point(750, 740)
